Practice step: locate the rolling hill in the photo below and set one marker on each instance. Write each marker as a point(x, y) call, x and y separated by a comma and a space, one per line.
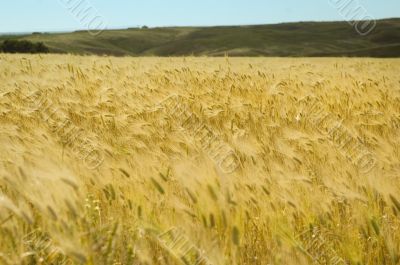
point(314, 39)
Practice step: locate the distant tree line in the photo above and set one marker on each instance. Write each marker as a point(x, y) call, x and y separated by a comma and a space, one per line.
point(23, 46)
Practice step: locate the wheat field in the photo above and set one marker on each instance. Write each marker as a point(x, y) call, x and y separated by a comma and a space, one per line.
point(199, 160)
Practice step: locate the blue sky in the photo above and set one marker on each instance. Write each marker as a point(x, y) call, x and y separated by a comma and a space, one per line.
point(52, 15)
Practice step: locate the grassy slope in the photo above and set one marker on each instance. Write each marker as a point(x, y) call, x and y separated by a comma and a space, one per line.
point(289, 39)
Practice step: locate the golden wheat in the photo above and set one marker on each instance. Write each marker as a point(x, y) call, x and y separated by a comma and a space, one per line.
point(96, 163)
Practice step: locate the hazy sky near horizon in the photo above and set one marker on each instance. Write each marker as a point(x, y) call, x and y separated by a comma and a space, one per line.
point(65, 15)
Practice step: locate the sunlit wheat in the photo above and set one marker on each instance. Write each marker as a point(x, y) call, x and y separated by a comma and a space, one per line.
point(295, 197)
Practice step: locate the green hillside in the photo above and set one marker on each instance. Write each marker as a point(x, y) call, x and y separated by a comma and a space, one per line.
point(288, 39)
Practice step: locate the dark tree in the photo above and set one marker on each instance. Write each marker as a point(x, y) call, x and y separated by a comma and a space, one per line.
point(23, 46)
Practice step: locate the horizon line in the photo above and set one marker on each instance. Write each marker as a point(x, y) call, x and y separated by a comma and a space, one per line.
point(180, 26)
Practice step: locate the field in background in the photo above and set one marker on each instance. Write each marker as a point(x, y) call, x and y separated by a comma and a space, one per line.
point(98, 164)
point(287, 39)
